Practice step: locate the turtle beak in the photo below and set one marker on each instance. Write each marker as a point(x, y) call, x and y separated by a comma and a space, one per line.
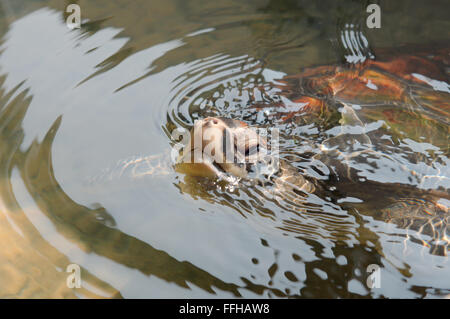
point(203, 169)
point(192, 161)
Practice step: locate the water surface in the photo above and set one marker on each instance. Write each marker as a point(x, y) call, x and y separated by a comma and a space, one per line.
point(85, 122)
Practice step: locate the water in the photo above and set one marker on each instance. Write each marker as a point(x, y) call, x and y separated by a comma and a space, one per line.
point(85, 122)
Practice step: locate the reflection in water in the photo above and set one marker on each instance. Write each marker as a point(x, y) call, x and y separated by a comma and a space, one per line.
point(31, 267)
point(115, 90)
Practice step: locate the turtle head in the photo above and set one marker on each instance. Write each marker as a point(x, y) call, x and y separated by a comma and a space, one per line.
point(220, 146)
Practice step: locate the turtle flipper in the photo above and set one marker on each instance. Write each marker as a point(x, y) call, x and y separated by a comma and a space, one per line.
point(135, 167)
point(427, 222)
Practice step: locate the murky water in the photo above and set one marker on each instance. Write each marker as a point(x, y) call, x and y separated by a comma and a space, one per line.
point(85, 123)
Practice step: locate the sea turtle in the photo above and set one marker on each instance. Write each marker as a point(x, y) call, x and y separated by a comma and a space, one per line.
point(408, 94)
point(407, 206)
